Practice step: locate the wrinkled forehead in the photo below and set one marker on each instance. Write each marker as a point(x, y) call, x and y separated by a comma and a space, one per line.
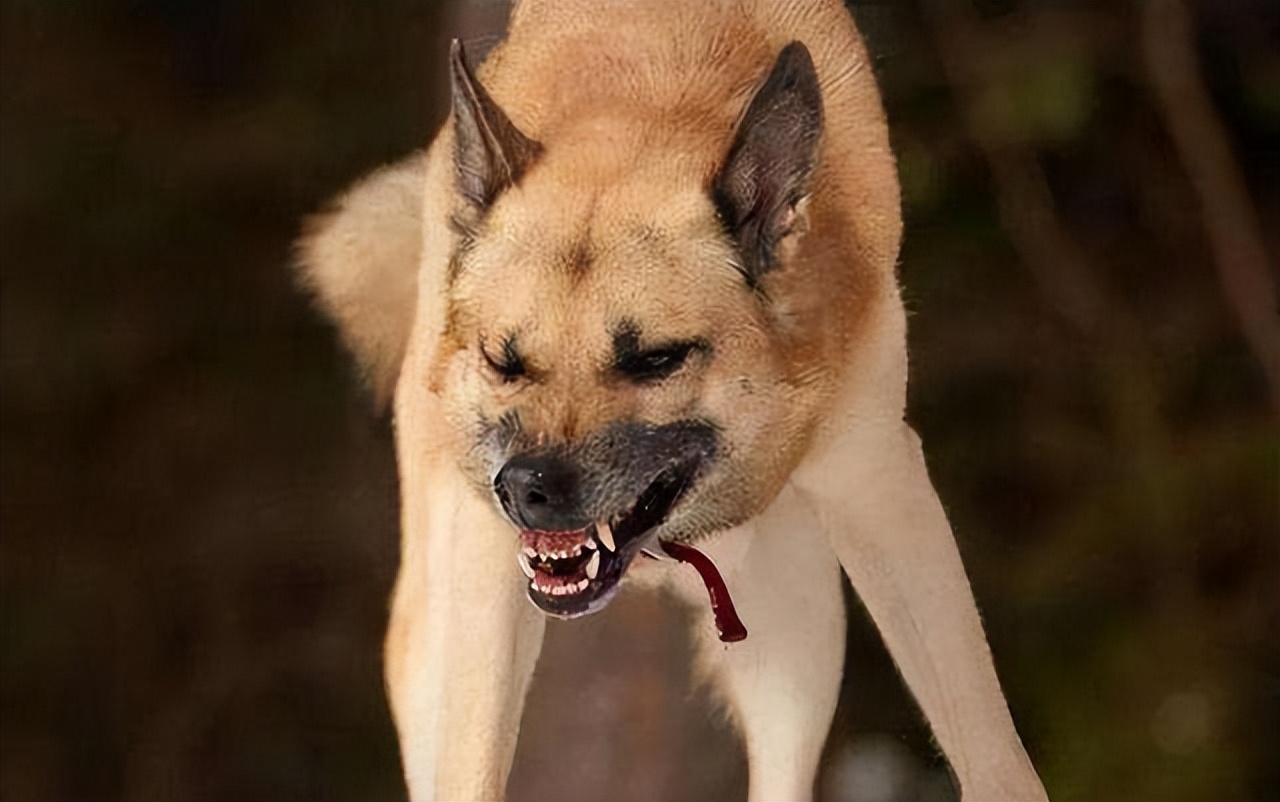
point(563, 257)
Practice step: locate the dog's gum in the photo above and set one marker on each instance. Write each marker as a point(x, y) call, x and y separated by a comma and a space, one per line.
point(728, 624)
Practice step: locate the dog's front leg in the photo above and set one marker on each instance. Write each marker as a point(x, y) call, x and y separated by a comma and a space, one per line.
point(874, 499)
point(783, 681)
point(463, 638)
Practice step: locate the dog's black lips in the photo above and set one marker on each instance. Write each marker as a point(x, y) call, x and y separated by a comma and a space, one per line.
point(629, 530)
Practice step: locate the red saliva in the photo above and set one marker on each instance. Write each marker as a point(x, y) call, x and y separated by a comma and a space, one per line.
point(727, 622)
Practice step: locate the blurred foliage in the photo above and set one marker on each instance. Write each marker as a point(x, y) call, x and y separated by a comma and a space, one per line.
point(198, 509)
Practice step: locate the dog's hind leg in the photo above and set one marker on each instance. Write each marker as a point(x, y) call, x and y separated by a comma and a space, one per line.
point(874, 500)
point(781, 683)
point(463, 638)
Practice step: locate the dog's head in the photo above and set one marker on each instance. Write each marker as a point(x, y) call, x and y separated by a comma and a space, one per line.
point(613, 353)
point(609, 346)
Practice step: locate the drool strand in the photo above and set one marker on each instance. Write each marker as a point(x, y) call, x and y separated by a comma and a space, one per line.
point(727, 622)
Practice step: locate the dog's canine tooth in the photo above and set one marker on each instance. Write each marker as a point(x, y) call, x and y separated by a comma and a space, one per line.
point(593, 565)
point(530, 552)
point(581, 585)
point(523, 559)
point(606, 536)
point(590, 544)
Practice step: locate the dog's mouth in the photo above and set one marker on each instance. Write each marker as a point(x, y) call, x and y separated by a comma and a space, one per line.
point(576, 572)
point(573, 573)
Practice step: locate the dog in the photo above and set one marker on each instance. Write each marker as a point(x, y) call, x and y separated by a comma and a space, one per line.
point(638, 301)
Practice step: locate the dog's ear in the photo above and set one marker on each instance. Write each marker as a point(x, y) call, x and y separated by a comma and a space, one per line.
point(773, 152)
point(489, 152)
point(360, 262)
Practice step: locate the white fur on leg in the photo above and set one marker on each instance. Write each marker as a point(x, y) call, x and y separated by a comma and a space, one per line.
point(463, 638)
point(879, 509)
point(783, 681)
point(458, 670)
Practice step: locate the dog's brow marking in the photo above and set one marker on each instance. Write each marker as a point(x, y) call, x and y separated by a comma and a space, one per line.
point(508, 363)
point(654, 361)
point(626, 340)
point(512, 361)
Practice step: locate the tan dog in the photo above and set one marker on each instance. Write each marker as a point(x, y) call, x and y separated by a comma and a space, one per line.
point(640, 292)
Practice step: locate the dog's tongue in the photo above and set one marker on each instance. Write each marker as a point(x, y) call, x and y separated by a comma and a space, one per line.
point(727, 622)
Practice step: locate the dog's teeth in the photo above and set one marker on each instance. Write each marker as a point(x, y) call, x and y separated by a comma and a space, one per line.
point(524, 564)
point(530, 552)
point(593, 565)
point(606, 536)
point(590, 544)
point(581, 585)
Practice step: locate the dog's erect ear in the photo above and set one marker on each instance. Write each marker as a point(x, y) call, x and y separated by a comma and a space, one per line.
point(769, 162)
point(360, 262)
point(489, 152)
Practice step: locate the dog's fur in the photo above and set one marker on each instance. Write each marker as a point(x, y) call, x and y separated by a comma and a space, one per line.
point(653, 252)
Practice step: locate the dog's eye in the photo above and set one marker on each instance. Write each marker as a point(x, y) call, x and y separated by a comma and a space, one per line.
point(656, 363)
point(510, 366)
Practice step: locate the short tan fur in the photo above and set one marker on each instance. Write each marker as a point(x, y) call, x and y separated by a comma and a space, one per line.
point(620, 177)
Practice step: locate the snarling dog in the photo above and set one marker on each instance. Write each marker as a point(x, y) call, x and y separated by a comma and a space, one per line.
point(638, 300)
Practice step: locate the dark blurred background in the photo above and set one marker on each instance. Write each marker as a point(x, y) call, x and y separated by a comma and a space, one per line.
point(199, 505)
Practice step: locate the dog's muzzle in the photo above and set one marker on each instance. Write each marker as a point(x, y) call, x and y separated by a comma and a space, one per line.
point(586, 512)
point(574, 563)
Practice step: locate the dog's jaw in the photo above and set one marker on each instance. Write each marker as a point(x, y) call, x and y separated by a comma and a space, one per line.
point(573, 573)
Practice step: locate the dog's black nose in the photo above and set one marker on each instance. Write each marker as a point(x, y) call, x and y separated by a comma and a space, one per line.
point(540, 493)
